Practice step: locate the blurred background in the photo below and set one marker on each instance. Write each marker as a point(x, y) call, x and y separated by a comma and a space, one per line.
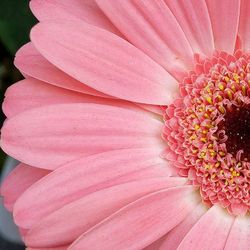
point(16, 21)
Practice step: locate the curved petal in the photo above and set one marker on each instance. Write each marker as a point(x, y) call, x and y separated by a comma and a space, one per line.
point(20, 179)
point(210, 232)
point(224, 15)
point(151, 26)
point(141, 222)
point(86, 10)
point(239, 236)
point(49, 136)
point(31, 93)
point(112, 65)
point(29, 61)
point(193, 17)
point(176, 235)
point(91, 209)
point(244, 26)
point(84, 176)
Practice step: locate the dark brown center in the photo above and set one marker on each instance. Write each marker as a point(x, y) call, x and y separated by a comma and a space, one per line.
point(237, 128)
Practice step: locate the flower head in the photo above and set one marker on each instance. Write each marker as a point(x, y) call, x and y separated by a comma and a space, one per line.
point(132, 126)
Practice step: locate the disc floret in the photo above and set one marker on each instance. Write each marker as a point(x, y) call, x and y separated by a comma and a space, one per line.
point(208, 130)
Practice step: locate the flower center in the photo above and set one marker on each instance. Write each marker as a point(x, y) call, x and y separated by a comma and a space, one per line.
point(208, 129)
point(237, 129)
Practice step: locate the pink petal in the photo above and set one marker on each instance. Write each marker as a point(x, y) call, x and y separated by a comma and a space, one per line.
point(151, 26)
point(29, 61)
point(239, 236)
point(49, 136)
point(244, 26)
point(90, 210)
point(20, 179)
point(86, 10)
point(112, 65)
point(53, 248)
point(84, 176)
point(38, 67)
point(31, 93)
point(155, 245)
point(210, 232)
point(152, 108)
point(193, 18)
point(224, 15)
point(141, 222)
point(176, 235)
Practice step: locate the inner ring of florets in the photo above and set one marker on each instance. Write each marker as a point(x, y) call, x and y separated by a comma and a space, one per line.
point(208, 130)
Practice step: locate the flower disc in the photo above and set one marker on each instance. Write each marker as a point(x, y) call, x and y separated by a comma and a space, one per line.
point(208, 130)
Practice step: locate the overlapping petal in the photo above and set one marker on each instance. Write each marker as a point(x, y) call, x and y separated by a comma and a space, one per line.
point(210, 232)
point(176, 235)
point(194, 20)
point(224, 16)
point(151, 217)
point(104, 62)
point(35, 138)
point(52, 230)
point(140, 22)
point(29, 61)
point(31, 93)
point(84, 176)
point(20, 179)
point(86, 10)
point(239, 236)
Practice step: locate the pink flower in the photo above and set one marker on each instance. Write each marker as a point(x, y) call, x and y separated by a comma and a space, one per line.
point(132, 126)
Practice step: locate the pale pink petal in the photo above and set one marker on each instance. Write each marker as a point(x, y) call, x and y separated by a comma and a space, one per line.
point(86, 10)
point(239, 236)
point(90, 210)
point(244, 26)
point(32, 93)
point(20, 179)
point(151, 26)
point(29, 61)
point(224, 15)
point(193, 17)
point(141, 222)
point(34, 137)
point(84, 176)
point(210, 232)
point(104, 61)
point(176, 235)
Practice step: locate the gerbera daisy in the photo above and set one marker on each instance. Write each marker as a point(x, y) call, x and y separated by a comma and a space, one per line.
point(132, 126)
